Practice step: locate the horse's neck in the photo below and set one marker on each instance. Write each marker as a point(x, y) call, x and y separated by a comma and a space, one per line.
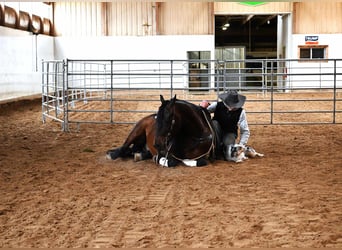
point(188, 121)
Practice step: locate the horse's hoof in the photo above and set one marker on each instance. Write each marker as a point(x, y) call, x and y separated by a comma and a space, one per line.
point(113, 154)
point(108, 157)
point(137, 156)
point(201, 163)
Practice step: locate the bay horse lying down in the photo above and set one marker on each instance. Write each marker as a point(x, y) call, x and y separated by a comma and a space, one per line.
point(181, 132)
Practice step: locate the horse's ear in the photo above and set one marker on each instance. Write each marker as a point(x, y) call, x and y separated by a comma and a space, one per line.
point(162, 98)
point(173, 100)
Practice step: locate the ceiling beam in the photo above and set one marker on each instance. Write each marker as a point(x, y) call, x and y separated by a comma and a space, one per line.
point(267, 19)
point(249, 17)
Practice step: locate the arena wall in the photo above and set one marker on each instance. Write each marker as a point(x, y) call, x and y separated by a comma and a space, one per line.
point(21, 54)
point(129, 47)
point(85, 38)
point(333, 42)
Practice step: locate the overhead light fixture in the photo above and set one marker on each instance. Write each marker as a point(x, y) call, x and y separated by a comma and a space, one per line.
point(268, 21)
point(224, 28)
point(226, 25)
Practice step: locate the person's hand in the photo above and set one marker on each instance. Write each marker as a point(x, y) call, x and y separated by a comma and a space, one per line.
point(204, 104)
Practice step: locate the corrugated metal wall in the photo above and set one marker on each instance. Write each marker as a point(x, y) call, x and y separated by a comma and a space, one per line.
point(319, 17)
point(182, 18)
point(130, 18)
point(79, 19)
point(106, 18)
point(185, 18)
point(133, 18)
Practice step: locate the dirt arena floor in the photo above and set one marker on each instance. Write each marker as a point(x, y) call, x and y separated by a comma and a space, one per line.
point(59, 190)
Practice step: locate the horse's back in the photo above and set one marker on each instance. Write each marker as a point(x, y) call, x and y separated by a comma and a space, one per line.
point(149, 123)
point(141, 130)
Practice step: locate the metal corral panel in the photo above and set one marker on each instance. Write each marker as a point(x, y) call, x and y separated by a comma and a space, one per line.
point(319, 17)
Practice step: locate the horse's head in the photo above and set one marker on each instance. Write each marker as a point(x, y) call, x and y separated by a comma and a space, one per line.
point(165, 124)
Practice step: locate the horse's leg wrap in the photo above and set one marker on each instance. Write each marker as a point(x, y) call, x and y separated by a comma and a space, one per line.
point(171, 162)
point(190, 163)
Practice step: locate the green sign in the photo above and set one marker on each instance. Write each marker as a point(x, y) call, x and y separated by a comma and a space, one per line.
point(252, 3)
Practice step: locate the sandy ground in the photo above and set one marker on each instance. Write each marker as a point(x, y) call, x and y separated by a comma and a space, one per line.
point(59, 190)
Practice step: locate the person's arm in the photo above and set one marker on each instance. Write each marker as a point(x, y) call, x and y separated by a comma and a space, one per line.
point(244, 129)
point(211, 108)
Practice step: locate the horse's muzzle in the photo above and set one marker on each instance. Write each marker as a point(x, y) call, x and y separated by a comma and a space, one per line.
point(160, 149)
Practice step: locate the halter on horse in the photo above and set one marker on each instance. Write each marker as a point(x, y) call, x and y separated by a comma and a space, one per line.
point(184, 133)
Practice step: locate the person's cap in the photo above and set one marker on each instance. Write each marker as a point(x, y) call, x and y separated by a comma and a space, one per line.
point(232, 99)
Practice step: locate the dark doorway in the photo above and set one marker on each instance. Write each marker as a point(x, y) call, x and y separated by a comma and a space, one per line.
point(257, 33)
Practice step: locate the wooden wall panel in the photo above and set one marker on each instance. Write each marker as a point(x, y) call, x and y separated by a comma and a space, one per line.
point(319, 17)
point(185, 18)
point(130, 18)
point(138, 18)
point(106, 18)
point(78, 18)
point(238, 8)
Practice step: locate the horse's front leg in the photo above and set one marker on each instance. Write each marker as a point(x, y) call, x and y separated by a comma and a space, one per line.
point(144, 154)
point(119, 152)
point(167, 162)
point(196, 163)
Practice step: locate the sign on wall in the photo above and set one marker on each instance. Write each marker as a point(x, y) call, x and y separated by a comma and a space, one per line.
point(311, 39)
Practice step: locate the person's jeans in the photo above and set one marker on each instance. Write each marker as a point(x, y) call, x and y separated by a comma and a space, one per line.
point(224, 140)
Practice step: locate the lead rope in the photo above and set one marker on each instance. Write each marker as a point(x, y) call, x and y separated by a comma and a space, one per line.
point(169, 147)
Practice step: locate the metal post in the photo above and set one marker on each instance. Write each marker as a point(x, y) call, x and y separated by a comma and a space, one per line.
point(272, 89)
point(224, 77)
point(264, 77)
point(43, 75)
point(65, 95)
point(171, 75)
point(335, 89)
point(56, 91)
point(111, 91)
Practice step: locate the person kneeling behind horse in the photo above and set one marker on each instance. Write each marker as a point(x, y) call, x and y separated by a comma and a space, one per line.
point(229, 117)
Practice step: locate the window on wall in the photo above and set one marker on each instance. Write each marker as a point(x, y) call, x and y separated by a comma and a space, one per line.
point(313, 52)
point(199, 68)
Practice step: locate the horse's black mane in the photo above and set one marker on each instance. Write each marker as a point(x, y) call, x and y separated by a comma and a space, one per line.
point(161, 111)
point(164, 105)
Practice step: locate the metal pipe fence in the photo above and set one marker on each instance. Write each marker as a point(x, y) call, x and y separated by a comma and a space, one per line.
point(116, 91)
